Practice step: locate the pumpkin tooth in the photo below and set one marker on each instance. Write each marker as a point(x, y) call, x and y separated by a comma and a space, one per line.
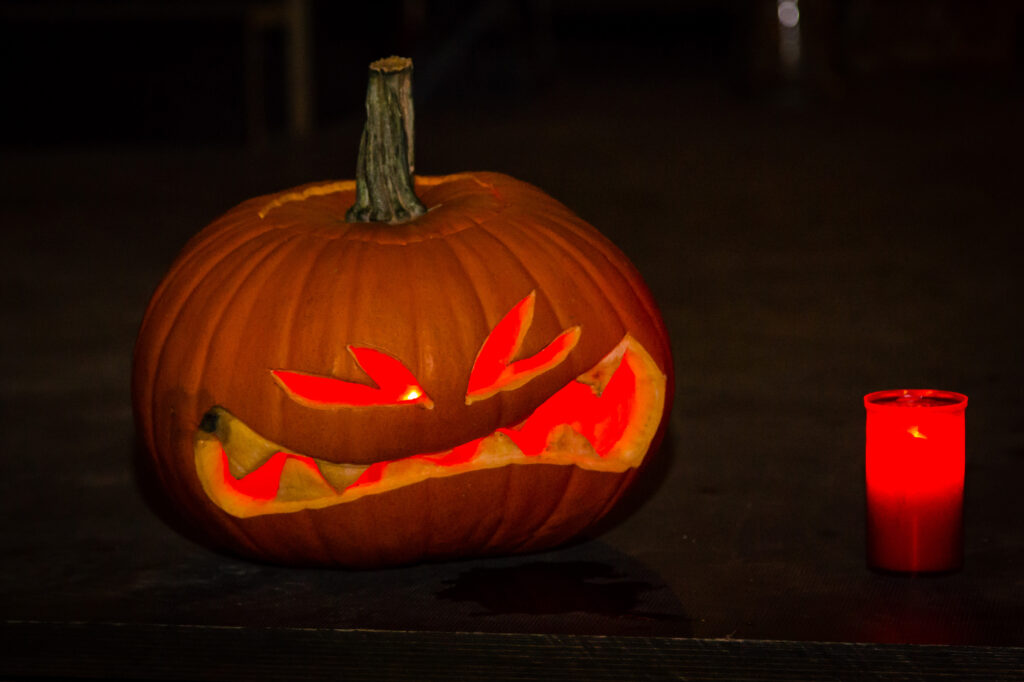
point(598, 376)
point(565, 443)
point(302, 479)
point(495, 450)
point(246, 449)
point(340, 476)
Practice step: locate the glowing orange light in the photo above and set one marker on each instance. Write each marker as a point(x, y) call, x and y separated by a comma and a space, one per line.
point(914, 472)
point(494, 370)
point(395, 384)
point(596, 421)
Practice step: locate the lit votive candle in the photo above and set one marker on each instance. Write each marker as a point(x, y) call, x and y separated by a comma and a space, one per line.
point(914, 470)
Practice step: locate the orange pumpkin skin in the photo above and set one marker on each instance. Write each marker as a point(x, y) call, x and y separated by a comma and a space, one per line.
point(283, 282)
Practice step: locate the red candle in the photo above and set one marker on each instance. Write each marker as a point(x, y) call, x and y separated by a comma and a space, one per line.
point(914, 469)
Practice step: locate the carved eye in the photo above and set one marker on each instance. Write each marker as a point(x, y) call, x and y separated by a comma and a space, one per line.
point(494, 370)
point(395, 384)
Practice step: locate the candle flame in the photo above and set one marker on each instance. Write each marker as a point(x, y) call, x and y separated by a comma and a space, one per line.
point(916, 432)
point(412, 394)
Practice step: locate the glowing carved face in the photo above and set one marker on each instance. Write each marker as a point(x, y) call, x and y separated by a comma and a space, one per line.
point(604, 420)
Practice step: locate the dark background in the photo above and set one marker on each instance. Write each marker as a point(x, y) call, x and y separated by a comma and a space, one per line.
point(816, 222)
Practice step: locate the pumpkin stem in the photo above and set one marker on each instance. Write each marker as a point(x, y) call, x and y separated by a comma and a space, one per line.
point(384, 184)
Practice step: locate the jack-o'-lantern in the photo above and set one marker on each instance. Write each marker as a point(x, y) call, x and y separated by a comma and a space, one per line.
point(399, 368)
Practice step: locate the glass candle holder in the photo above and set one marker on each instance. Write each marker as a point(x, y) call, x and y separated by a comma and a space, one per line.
point(914, 471)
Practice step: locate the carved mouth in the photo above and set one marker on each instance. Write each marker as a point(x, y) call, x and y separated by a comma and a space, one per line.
point(604, 420)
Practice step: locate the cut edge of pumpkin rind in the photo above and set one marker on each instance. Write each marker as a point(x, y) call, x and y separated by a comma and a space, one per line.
point(496, 451)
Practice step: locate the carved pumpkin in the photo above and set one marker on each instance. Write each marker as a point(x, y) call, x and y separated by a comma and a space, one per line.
point(484, 378)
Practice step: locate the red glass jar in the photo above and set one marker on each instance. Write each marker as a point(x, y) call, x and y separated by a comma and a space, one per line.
point(914, 471)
